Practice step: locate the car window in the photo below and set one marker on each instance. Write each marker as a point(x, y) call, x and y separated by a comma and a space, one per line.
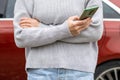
point(10, 9)
point(2, 7)
point(109, 12)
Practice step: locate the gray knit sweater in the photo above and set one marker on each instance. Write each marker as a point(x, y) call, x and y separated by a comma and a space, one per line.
point(52, 45)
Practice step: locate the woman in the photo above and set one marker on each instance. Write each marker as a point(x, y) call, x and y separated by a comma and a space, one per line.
point(58, 45)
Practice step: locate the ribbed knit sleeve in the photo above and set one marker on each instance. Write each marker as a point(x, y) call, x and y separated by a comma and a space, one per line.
point(34, 37)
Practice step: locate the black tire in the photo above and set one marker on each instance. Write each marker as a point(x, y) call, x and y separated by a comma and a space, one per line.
point(108, 71)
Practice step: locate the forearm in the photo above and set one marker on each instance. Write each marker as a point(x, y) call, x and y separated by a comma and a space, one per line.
point(88, 35)
point(33, 37)
point(91, 34)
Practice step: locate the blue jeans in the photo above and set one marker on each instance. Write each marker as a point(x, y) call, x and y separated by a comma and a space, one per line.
point(58, 74)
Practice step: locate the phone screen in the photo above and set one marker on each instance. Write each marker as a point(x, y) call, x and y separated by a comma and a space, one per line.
point(89, 12)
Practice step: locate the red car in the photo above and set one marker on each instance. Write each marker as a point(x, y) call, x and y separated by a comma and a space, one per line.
point(12, 59)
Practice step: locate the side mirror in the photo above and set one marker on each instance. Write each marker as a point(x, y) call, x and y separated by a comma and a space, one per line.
point(3, 4)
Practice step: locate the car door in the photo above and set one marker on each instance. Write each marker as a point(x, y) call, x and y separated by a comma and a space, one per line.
point(110, 43)
point(108, 67)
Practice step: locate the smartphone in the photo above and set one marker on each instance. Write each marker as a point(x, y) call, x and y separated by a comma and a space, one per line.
point(89, 12)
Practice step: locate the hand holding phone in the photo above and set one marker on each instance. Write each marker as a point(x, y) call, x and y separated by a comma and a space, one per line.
point(76, 26)
point(89, 12)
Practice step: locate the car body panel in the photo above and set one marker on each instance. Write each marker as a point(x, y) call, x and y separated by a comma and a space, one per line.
point(12, 61)
point(110, 42)
point(116, 2)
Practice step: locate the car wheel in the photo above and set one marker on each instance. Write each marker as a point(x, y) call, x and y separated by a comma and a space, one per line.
point(108, 71)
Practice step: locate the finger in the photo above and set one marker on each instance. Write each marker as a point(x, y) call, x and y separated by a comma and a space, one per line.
point(88, 23)
point(25, 21)
point(78, 23)
point(81, 29)
point(86, 20)
point(84, 26)
point(27, 25)
point(90, 20)
point(78, 29)
point(83, 22)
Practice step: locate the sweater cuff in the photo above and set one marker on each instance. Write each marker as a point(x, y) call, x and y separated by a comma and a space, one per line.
point(66, 29)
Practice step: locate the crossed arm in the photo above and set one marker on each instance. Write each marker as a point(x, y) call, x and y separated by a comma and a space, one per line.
point(30, 32)
point(75, 25)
